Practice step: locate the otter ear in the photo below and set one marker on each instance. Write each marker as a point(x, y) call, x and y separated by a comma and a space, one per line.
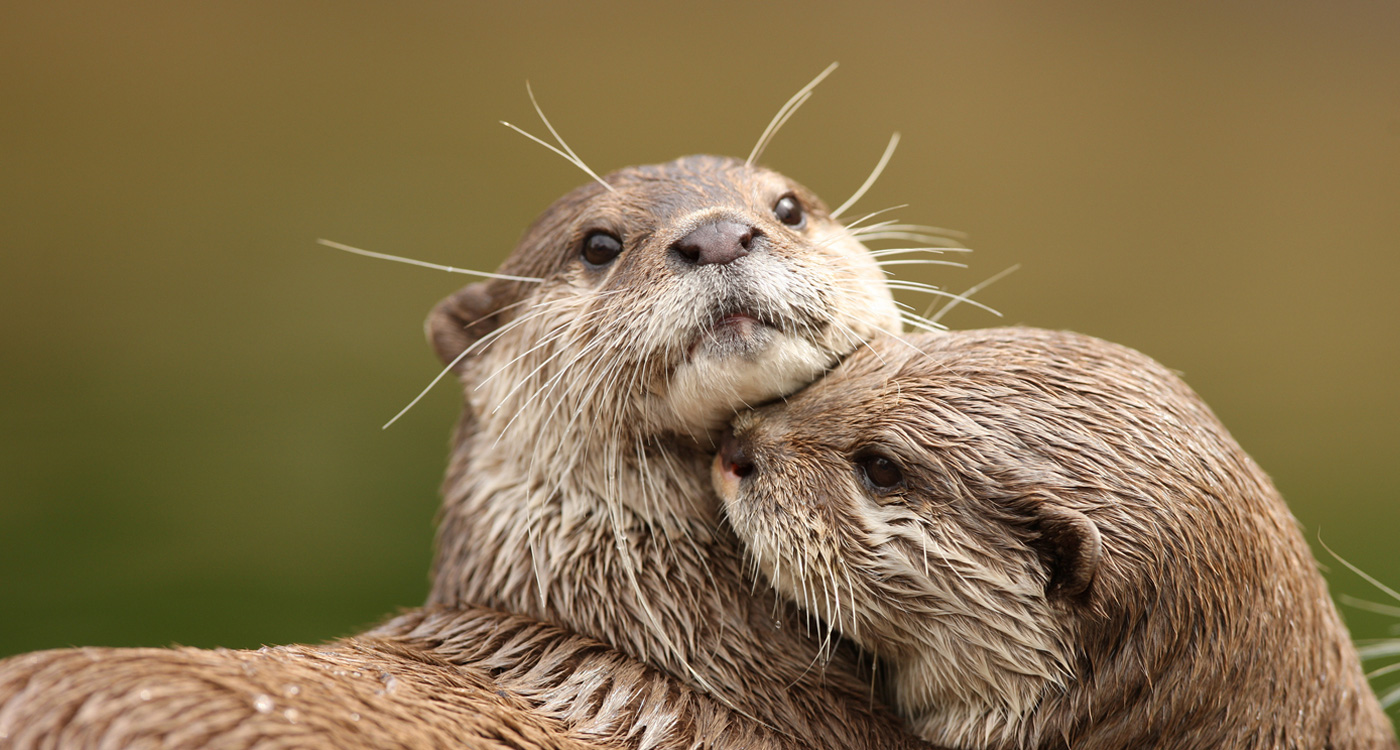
point(1071, 544)
point(462, 319)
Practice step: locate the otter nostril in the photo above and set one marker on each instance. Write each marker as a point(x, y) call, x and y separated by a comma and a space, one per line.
point(746, 240)
point(734, 456)
point(717, 242)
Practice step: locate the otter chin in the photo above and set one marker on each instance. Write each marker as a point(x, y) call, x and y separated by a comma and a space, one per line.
point(1049, 541)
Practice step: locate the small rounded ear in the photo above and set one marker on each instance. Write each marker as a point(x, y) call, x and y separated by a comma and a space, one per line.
point(1071, 544)
point(462, 319)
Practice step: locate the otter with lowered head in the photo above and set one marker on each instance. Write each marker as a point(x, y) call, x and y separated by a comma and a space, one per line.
point(1051, 542)
point(642, 312)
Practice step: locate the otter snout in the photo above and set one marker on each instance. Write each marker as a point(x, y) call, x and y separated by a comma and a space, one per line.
point(730, 466)
point(717, 242)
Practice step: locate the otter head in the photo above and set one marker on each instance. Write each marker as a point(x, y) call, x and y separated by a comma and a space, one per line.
point(1041, 533)
point(668, 300)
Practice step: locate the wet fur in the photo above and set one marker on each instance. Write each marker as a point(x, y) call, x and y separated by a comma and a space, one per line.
point(578, 491)
point(428, 679)
point(1080, 555)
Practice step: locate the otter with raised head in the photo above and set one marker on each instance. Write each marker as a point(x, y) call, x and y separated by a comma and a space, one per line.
point(1050, 541)
point(637, 315)
point(578, 492)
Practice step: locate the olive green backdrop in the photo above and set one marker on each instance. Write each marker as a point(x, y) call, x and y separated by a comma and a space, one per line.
point(191, 388)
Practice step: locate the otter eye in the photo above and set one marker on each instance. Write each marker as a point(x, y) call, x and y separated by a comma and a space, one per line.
point(790, 212)
point(600, 248)
point(881, 474)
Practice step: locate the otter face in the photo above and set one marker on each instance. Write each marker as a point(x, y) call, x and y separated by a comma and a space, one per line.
point(688, 291)
point(895, 499)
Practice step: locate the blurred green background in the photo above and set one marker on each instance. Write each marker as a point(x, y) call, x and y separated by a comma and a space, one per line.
point(192, 389)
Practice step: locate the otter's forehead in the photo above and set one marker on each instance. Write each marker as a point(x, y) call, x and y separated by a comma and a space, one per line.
point(676, 187)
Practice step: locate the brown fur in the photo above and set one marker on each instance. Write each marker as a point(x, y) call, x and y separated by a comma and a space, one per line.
point(588, 505)
point(358, 693)
point(1077, 553)
point(468, 678)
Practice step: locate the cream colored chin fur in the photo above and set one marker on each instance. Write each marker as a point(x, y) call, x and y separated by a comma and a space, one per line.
point(706, 391)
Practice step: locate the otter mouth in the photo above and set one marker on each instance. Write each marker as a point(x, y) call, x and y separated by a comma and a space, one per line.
point(731, 334)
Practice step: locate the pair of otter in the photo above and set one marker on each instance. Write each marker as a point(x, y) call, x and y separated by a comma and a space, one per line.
point(1047, 540)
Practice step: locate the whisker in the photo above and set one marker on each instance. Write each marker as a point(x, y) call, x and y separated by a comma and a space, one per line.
point(572, 156)
point(922, 324)
point(967, 295)
point(479, 343)
point(920, 262)
point(1387, 669)
point(1390, 697)
point(561, 153)
point(1380, 609)
point(902, 250)
point(1368, 577)
point(912, 236)
point(869, 181)
point(850, 227)
point(784, 113)
point(914, 286)
point(425, 264)
point(1379, 650)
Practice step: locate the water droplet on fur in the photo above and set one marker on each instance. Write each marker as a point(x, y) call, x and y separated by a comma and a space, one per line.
point(354, 717)
point(293, 689)
point(390, 682)
point(144, 695)
point(292, 715)
point(356, 674)
point(263, 704)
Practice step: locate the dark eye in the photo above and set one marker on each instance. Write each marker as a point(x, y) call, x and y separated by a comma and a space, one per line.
point(880, 473)
point(790, 212)
point(600, 248)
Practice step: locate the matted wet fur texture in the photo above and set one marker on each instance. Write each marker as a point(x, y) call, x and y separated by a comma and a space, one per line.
point(472, 678)
point(578, 489)
point(1051, 542)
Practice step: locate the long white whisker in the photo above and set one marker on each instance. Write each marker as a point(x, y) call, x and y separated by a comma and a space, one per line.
point(874, 175)
point(941, 232)
point(424, 264)
point(913, 286)
point(852, 226)
point(909, 250)
point(920, 262)
point(966, 296)
point(912, 236)
point(479, 343)
point(561, 153)
point(571, 155)
point(784, 113)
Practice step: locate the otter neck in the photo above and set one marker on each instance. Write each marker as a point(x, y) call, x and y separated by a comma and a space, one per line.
point(668, 589)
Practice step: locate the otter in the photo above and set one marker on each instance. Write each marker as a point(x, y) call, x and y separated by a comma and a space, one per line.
point(1050, 541)
point(599, 368)
point(669, 298)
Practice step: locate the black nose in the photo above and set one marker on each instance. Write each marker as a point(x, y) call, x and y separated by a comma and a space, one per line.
point(734, 456)
point(716, 242)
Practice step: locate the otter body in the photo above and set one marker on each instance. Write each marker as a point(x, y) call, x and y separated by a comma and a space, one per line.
point(1053, 543)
